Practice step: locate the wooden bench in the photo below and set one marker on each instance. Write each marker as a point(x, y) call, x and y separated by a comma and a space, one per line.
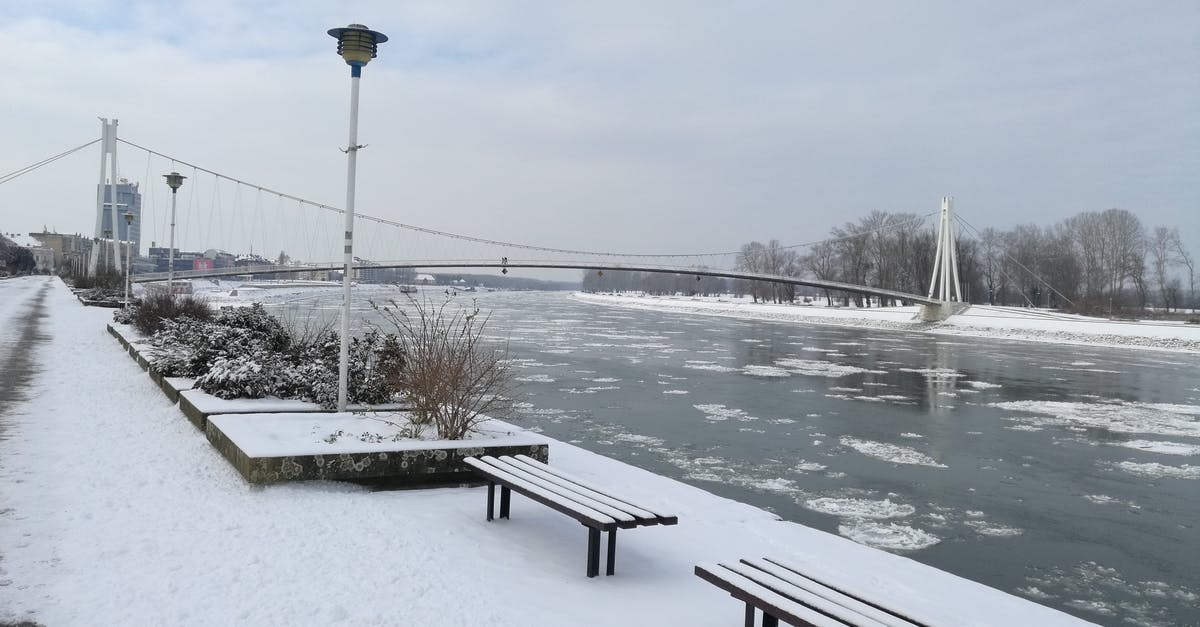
point(785, 593)
point(591, 505)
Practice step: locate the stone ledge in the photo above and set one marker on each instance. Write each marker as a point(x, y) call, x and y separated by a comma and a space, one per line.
point(198, 405)
point(401, 464)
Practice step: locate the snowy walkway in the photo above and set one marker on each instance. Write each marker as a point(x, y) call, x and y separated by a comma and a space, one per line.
point(114, 510)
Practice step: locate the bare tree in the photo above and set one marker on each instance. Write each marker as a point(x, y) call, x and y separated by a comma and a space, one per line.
point(1188, 262)
point(451, 376)
point(1164, 244)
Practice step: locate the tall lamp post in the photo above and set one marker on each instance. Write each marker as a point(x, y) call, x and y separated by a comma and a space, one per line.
point(128, 254)
point(357, 45)
point(174, 181)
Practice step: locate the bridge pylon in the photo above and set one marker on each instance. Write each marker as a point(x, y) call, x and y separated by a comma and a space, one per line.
point(945, 284)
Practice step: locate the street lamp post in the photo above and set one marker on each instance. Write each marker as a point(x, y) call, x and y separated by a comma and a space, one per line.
point(174, 181)
point(128, 254)
point(357, 45)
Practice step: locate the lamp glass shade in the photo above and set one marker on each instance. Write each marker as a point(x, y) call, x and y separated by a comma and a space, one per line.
point(174, 180)
point(357, 44)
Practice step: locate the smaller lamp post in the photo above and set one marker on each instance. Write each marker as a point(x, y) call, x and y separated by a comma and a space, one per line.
point(174, 181)
point(128, 254)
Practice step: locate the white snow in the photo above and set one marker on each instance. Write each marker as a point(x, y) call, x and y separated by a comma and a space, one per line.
point(117, 511)
point(1015, 323)
point(1155, 470)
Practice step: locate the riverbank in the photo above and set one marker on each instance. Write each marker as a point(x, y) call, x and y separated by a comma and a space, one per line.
point(1006, 323)
point(116, 511)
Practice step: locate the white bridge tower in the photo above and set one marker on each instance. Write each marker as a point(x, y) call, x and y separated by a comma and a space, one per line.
point(945, 284)
point(108, 148)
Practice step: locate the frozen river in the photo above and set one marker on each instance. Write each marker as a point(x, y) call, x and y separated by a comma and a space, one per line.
point(1069, 475)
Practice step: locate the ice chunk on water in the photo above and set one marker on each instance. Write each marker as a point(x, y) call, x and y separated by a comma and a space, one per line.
point(859, 508)
point(891, 536)
point(890, 452)
point(1168, 448)
point(1155, 470)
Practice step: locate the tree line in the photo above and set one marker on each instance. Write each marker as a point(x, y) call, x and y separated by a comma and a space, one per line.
point(1093, 262)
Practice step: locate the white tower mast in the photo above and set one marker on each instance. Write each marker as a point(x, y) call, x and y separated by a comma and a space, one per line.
point(945, 284)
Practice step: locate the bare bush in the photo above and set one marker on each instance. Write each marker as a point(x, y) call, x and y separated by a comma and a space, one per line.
point(451, 375)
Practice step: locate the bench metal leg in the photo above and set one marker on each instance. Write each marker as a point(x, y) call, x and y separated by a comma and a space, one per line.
point(505, 494)
point(491, 499)
point(612, 551)
point(593, 564)
point(749, 615)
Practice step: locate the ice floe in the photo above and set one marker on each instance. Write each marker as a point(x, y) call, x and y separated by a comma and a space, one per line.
point(816, 368)
point(1119, 417)
point(991, 529)
point(890, 452)
point(935, 373)
point(535, 378)
point(859, 508)
point(892, 536)
point(982, 385)
point(1168, 448)
point(675, 391)
point(1155, 470)
point(765, 371)
point(717, 412)
point(707, 365)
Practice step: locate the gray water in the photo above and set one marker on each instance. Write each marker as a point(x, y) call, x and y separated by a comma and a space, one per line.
point(1015, 464)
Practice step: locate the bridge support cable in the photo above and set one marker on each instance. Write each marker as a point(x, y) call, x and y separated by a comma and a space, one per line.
point(1020, 265)
point(19, 172)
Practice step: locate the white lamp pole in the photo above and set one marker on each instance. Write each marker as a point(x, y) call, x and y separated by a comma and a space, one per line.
point(174, 181)
point(357, 45)
point(128, 254)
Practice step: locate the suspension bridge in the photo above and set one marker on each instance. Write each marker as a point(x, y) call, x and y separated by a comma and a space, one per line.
point(217, 211)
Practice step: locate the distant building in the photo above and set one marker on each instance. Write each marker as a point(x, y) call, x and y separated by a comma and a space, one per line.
point(129, 199)
point(70, 252)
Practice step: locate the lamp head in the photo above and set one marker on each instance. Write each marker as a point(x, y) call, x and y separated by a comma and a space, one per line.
point(357, 44)
point(128, 218)
point(174, 180)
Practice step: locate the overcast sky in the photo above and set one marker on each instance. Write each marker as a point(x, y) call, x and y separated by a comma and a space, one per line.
point(628, 126)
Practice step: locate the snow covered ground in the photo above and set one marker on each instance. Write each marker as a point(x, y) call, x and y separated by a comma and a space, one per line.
point(1013, 323)
point(114, 510)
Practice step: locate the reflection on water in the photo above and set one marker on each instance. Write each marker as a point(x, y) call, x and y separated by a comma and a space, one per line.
point(1069, 475)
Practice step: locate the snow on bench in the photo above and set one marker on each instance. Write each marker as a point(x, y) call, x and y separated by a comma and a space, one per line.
point(784, 593)
point(593, 506)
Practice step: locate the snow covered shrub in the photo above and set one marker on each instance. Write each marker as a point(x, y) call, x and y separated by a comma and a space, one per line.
point(247, 353)
point(246, 376)
point(450, 375)
point(149, 313)
point(375, 360)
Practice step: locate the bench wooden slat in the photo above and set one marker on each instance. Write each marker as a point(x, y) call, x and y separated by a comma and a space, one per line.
point(540, 470)
point(759, 596)
point(583, 514)
point(831, 594)
point(662, 518)
point(805, 597)
point(524, 472)
point(904, 615)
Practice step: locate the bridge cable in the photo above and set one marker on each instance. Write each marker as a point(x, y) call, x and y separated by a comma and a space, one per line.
point(1019, 264)
point(47, 161)
point(481, 240)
